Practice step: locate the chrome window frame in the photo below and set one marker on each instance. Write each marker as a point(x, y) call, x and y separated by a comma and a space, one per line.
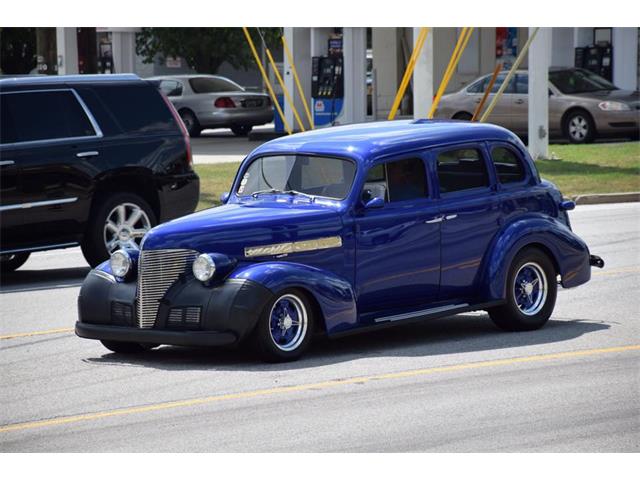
point(85, 108)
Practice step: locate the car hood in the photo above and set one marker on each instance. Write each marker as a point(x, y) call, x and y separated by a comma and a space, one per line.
point(626, 96)
point(230, 228)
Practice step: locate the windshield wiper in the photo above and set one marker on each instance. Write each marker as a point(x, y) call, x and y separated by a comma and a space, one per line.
point(285, 192)
point(270, 190)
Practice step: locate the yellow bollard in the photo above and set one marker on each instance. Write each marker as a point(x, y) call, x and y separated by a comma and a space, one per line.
point(461, 44)
point(422, 36)
point(266, 80)
point(509, 76)
point(284, 89)
point(297, 80)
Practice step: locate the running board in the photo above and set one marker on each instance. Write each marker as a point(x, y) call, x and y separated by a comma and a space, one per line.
point(421, 313)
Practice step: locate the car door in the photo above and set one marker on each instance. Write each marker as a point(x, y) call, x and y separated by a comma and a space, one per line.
point(501, 114)
point(397, 251)
point(520, 105)
point(53, 142)
point(470, 217)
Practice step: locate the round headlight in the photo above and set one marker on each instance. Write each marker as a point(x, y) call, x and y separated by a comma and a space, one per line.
point(120, 263)
point(204, 267)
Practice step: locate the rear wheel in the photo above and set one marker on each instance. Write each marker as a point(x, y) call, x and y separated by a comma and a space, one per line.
point(463, 116)
point(531, 293)
point(191, 123)
point(241, 130)
point(285, 327)
point(120, 221)
point(579, 127)
point(127, 347)
point(12, 261)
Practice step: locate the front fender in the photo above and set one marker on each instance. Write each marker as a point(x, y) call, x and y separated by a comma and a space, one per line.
point(333, 294)
point(569, 253)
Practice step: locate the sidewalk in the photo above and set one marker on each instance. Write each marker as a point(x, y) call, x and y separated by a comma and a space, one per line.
point(222, 146)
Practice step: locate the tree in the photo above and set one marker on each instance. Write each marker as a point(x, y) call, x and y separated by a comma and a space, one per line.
point(204, 49)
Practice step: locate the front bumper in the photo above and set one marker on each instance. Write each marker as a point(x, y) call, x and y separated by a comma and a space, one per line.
point(614, 123)
point(226, 312)
point(162, 337)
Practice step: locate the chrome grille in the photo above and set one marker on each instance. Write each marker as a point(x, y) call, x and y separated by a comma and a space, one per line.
point(157, 271)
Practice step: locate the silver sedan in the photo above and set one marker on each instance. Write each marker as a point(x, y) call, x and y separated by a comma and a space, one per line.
point(582, 105)
point(211, 101)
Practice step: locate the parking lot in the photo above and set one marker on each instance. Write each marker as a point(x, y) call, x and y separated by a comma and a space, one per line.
point(454, 384)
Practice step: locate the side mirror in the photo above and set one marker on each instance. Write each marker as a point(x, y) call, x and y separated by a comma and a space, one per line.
point(224, 197)
point(375, 202)
point(567, 205)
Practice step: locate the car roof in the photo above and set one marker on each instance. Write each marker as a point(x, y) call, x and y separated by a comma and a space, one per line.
point(368, 141)
point(64, 79)
point(186, 76)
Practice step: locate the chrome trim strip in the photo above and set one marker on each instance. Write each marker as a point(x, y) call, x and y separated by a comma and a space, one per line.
point(87, 112)
point(44, 203)
point(104, 275)
point(40, 248)
point(420, 313)
point(6, 162)
point(437, 219)
point(293, 247)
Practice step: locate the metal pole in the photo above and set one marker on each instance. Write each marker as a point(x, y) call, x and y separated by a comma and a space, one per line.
point(510, 75)
point(487, 90)
point(408, 72)
point(284, 89)
point(266, 80)
point(297, 80)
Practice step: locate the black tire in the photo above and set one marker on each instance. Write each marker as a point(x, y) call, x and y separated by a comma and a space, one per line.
point(12, 261)
point(510, 316)
point(241, 130)
point(264, 342)
point(579, 127)
point(463, 116)
point(127, 347)
point(190, 122)
point(93, 244)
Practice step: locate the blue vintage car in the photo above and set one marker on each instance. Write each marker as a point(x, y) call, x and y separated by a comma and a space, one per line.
point(344, 230)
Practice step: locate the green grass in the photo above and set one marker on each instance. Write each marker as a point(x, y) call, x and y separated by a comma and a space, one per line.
point(596, 168)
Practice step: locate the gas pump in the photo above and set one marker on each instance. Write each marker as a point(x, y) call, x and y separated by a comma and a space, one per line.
point(327, 83)
point(597, 58)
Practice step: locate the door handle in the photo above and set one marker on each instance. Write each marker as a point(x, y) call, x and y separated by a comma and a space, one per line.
point(451, 217)
point(6, 163)
point(437, 219)
point(92, 153)
point(519, 101)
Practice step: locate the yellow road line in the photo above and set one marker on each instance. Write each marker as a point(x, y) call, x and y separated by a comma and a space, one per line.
point(311, 386)
point(33, 334)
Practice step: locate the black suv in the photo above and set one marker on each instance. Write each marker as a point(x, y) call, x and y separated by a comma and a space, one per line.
point(91, 160)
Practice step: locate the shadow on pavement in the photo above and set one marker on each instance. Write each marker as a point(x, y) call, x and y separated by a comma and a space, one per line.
point(31, 280)
point(458, 334)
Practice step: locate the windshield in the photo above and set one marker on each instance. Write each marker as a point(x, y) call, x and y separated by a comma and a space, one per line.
point(579, 81)
point(213, 85)
point(298, 174)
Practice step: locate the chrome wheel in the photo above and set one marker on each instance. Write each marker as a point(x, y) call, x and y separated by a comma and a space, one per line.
point(578, 128)
point(288, 321)
point(530, 288)
point(126, 224)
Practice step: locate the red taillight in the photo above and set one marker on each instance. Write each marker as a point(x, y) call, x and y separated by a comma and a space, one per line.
point(224, 102)
point(183, 129)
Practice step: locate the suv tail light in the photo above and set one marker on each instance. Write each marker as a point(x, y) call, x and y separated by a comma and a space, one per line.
point(224, 102)
point(183, 129)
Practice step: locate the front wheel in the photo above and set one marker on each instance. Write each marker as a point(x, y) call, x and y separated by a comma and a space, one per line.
point(12, 261)
point(241, 130)
point(191, 123)
point(531, 293)
point(579, 127)
point(284, 329)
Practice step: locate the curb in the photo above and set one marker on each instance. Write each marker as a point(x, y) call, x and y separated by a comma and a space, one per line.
point(596, 198)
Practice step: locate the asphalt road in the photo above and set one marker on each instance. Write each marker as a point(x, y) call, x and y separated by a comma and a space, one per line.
point(455, 384)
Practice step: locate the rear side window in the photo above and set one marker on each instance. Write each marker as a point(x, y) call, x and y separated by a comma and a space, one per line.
point(42, 115)
point(508, 166)
point(397, 181)
point(461, 169)
point(136, 108)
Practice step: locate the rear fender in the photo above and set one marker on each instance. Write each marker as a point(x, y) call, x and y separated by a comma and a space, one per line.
point(568, 252)
point(334, 295)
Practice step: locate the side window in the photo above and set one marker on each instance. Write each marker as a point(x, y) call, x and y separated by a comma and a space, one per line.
point(510, 88)
point(522, 83)
point(42, 116)
point(397, 181)
point(508, 166)
point(171, 88)
point(461, 169)
point(477, 87)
